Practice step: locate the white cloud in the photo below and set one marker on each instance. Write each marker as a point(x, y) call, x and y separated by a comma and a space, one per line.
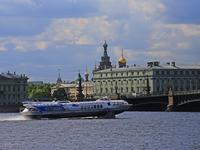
point(159, 54)
point(41, 45)
point(149, 9)
point(77, 31)
point(132, 24)
point(80, 30)
point(2, 48)
point(174, 36)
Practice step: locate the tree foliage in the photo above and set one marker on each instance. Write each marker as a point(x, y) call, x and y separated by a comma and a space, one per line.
point(60, 94)
point(40, 92)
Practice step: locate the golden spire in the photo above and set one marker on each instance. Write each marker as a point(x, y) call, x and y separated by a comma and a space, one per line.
point(122, 60)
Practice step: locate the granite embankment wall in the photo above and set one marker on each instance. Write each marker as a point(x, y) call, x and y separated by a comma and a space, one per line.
point(9, 108)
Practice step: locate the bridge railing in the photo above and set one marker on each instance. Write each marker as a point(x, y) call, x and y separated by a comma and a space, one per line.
point(187, 92)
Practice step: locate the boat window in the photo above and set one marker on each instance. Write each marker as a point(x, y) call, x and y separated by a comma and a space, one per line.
point(108, 104)
point(32, 109)
point(75, 105)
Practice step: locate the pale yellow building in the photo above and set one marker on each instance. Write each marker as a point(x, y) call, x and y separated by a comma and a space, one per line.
point(71, 89)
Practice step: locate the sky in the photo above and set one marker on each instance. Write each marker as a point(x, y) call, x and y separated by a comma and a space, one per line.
point(39, 37)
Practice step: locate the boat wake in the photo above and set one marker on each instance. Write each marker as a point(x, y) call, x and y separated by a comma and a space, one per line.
point(12, 117)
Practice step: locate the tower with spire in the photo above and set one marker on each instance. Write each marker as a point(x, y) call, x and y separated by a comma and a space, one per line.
point(80, 95)
point(59, 80)
point(86, 75)
point(122, 60)
point(105, 59)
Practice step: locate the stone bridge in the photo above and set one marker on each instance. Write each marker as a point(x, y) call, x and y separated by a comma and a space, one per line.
point(184, 101)
point(179, 101)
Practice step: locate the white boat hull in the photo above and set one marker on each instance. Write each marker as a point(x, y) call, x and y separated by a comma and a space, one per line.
point(85, 109)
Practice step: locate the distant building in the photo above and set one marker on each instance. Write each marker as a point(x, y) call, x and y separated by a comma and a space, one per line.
point(105, 62)
point(137, 80)
point(59, 80)
point(35, 82)
point(71, 88)
point(12, 88)
point(152, 79)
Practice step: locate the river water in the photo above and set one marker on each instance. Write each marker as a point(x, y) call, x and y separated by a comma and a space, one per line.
point(129, 131)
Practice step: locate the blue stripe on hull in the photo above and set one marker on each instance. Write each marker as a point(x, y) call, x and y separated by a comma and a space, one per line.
point(71, 115)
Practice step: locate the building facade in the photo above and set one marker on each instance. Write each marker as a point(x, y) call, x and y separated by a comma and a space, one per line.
point(71, 89)
point(152, 79)
point(105, 62)
point(13, 88)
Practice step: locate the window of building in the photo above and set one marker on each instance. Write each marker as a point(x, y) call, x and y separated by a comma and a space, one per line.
point(176, 88)
point(143, 81)
point(13, 87)
point(157, 88)
point(9, 88)
point(111, 89)
point(175, 81)
point(193, 73)
point(132, 82)
point(132, 89)
point(13, 96)
point(168, 72)
point(106, 90)
point(4, 88)
point(181, 88)
point(121, 89)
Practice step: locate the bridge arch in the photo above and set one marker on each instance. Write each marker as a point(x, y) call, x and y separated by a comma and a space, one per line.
point(150, 106)
point(189, 105)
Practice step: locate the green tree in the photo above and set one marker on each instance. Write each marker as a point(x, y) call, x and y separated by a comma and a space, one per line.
point(60, 94)
point(39, 92)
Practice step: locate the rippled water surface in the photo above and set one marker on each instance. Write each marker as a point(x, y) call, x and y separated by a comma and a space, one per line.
point(130, 131)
